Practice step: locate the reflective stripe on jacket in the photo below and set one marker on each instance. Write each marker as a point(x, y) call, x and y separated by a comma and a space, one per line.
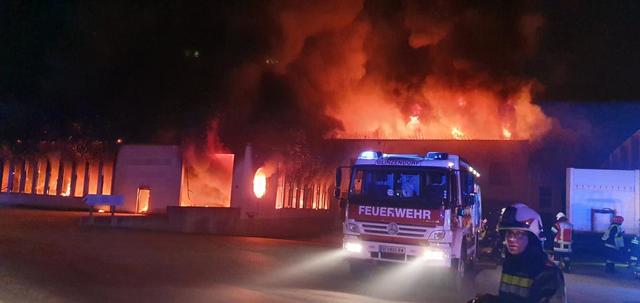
point(547, 287)
point(612, 237)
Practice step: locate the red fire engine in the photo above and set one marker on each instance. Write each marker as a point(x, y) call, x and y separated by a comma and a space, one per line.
point(411, 208)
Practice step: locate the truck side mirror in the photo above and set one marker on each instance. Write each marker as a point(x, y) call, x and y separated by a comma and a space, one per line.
point(336, 193)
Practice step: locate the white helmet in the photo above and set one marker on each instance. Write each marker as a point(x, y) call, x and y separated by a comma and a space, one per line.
point(560, 215)
point(521, 217)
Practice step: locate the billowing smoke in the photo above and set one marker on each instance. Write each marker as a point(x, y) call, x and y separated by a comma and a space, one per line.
point(388, 69)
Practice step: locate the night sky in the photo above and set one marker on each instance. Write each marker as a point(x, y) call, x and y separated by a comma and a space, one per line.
point(160, 71)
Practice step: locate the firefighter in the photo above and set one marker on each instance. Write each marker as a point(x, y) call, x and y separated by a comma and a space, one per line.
point(562, 241)
point(634, 256)
point(613, 243)
point(482, 230)
point(527, 274)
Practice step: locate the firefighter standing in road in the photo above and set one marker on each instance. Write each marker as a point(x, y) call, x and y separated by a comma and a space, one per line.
point(527, 274)
point(613, 243)
point(634, 256)
point(562, 241)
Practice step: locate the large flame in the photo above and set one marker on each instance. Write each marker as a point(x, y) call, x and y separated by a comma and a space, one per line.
point(207, 174)
point(259, 183)
point(344, 70)
point(441, 113)
point(457, 133)
point(506, 133)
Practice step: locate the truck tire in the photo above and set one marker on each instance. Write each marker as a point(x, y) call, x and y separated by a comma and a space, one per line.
point(457, 274)
point(465, 263)
point(474, 258)
point(461, 268)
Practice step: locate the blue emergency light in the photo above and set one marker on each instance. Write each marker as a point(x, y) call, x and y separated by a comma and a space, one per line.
point(437, 156)
point(370, 155)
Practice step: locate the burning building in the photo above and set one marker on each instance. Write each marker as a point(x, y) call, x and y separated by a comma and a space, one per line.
point(264, 190)
point(325, 80)
point(56, 178)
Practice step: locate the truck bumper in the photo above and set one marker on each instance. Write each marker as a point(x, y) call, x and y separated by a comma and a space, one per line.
point(431, 255)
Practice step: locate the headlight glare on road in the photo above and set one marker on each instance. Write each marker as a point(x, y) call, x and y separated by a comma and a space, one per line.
point(432, 254)
point(353, 247)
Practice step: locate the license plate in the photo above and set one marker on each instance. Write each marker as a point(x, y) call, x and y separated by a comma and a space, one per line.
point(391, 249)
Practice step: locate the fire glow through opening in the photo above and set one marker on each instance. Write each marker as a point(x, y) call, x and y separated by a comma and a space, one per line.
point(259, 183)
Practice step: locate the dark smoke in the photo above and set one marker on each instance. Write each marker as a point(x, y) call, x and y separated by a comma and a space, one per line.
point(362, 69)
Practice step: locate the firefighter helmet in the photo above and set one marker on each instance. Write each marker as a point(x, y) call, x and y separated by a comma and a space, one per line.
point(617, 219)
point(521, 217)
point(560, 215)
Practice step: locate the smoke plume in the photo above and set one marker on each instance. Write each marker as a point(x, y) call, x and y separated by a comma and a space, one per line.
point(389, 69)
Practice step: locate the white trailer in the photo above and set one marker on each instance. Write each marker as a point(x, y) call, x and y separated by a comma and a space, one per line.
point(595, 195)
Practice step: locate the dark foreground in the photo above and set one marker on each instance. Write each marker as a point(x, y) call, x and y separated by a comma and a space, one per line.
point(47, 257)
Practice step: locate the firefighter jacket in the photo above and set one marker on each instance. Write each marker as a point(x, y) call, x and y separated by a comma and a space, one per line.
point(563, 230)
point(634, 249)
point(545, 287)
point(613, 237)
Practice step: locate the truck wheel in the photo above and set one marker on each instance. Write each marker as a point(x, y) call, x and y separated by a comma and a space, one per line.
point(460, 268)
point(359, 268)
point(457, 274)
point(466, 262)
point(474, 258)
point(457, 267)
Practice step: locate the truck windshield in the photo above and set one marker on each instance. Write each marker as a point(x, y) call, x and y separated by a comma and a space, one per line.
point(399, 186)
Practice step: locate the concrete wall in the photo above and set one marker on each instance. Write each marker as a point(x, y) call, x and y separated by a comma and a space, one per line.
point(217, 220)
point(260, 217)
point(225, 221)
point(158, 167)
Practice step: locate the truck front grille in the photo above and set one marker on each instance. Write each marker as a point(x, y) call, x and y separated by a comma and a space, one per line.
point(403, 230)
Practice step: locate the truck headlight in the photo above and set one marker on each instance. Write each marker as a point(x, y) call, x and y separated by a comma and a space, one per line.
point(437, 235)
point(353, 247)
point(352, 227)
point(432, 254)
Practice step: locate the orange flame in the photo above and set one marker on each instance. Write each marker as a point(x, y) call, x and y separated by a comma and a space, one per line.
point(439, 113)
point(67, 191)
point(259, 183)
point(506, 133)
point(360, 84)
point(207, 172)
point(457, 133)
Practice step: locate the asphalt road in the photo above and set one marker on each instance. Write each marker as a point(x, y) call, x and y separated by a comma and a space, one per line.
point(47, 257)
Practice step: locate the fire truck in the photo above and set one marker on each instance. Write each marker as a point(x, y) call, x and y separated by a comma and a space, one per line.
point(410, 208)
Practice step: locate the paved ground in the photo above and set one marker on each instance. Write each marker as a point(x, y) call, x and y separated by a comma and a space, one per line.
point(46, 257)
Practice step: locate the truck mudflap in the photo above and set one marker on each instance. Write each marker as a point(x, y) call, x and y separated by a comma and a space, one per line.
point(431, 255)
